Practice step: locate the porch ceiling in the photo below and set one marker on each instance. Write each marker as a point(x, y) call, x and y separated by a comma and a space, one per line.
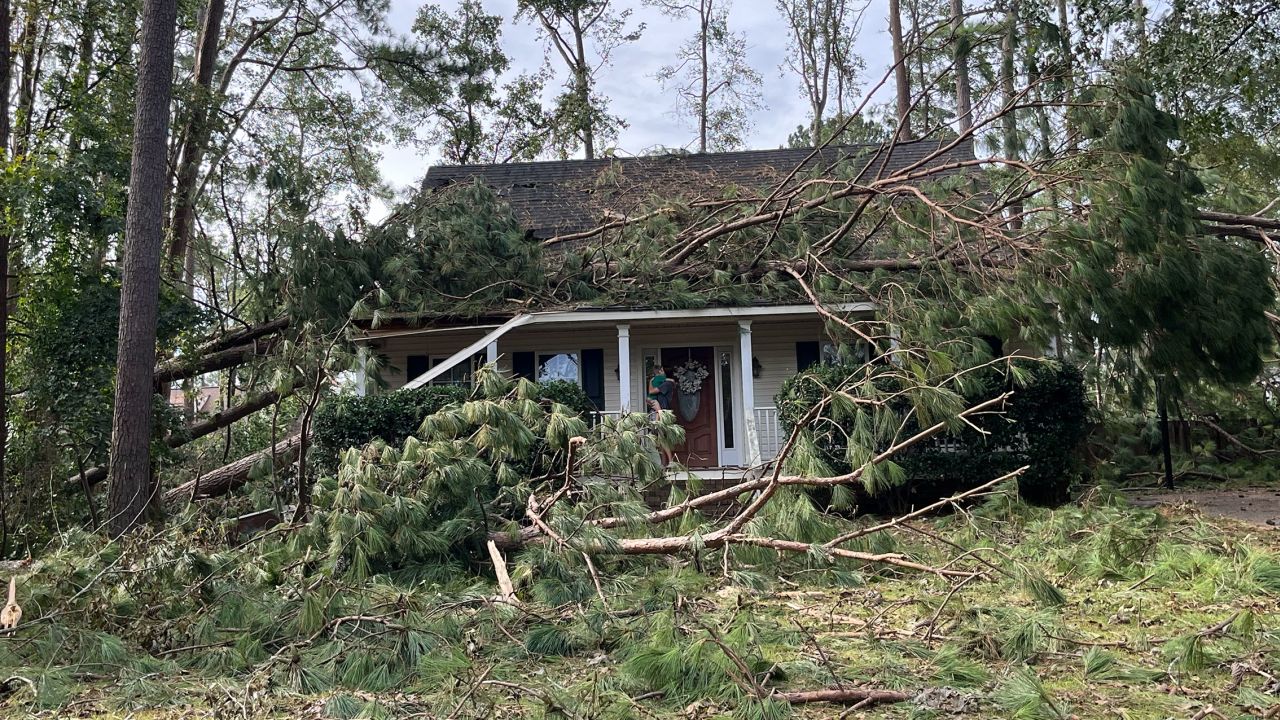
point(635, 317)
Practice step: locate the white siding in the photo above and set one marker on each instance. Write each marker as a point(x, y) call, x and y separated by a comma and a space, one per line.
point(773, 343)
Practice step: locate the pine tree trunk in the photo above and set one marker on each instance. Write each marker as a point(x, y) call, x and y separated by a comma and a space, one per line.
point(1162, 407)
point(582, 85)
point(194, 142)
point(4, 273)
point(900, 71)
point(1009, 119)
point(130, 497)
point(704, 98)
point(964, 103)
point(1069, 72)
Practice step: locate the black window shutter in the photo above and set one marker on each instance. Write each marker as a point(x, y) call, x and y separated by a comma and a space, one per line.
point(414, 365)
point(522, 365)
point(807, 355)
point(593, 376)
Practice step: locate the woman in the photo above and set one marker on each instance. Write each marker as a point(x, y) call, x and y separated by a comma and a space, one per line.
point(660, 389)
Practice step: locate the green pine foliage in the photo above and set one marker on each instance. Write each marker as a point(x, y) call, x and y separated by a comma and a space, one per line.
point(869, 408)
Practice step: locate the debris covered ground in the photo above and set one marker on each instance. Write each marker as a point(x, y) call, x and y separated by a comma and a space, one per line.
point(1095, 609)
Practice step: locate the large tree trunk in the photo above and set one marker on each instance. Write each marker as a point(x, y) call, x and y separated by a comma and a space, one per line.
point(4, 274)
point(582, 86)
point(964, 104)
point(182, 368)
point(229, 477)
point(1068, 72)
point(195, 139)
point(900, 71)
point(214, 423)
point(704, 98)
point(130, 495)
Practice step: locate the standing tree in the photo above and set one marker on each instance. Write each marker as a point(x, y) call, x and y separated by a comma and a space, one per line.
point(582, 114)
point(960, 43)
point(1140, 277)
point(476, 119)
point(131, 493)
point(4, 275)
point(822, 56)
point(901, 75)
point(716, 85)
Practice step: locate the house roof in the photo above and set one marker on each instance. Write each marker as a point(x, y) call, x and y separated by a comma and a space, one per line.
point(567, 196)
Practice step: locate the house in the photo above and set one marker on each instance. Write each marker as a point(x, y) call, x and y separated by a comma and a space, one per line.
point(207, 397)
point(743, 353)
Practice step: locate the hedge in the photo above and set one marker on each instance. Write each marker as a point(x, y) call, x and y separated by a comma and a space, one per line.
point(1044, 425)
point(346, 421)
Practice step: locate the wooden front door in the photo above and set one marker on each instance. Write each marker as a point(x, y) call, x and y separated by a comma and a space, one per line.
point(700, 437)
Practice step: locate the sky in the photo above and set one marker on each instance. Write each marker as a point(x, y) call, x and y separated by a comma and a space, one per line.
point(637, 96)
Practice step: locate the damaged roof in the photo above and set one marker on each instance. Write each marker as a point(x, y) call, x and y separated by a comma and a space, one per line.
point(568, 196)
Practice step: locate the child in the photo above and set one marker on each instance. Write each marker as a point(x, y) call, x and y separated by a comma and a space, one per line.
point(660, 389)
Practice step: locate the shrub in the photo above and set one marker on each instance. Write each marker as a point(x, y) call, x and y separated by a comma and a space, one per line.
point(1043, 425)
point(348, 421)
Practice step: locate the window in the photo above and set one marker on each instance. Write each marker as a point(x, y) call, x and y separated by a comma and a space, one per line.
point(726, 397)
point(462, 374)
point(834, 354)
point(559, 366)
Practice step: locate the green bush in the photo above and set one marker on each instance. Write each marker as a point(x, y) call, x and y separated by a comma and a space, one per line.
point(348, 421)
point(1043, 425)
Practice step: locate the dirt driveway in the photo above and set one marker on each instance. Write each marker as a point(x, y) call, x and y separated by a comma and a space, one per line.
point(1260, 506)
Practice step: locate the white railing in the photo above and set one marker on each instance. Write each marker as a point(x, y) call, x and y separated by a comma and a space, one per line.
point(598, 416)
point(769, 434)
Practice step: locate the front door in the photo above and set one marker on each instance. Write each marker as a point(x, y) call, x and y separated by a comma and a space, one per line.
point(696, 412)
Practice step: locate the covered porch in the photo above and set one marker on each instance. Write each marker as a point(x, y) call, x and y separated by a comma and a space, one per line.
point(734, 361)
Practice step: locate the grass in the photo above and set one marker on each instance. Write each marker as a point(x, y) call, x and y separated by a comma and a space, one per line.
point(1090, 610)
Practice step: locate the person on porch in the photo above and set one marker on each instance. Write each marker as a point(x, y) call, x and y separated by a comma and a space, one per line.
point(661, 388)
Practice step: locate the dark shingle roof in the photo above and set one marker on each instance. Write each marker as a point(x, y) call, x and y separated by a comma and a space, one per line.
point(565, 196)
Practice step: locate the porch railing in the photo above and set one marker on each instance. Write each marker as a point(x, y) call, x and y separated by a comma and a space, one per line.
point(769, 434)
point(597, 416)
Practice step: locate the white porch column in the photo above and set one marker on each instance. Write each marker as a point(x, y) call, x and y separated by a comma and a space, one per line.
point(624, 368)
point(491, 353)
point(362, 370)
point(752, 441)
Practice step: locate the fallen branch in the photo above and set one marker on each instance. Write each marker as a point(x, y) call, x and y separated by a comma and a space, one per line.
point(183, 368)
point(216, 422)
point(849, 695)
point(500, 569)
point(223, 480)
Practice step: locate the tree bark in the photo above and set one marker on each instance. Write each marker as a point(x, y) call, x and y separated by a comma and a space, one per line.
point(1162, 407)
point(900, 71)
point(227, 478)
point(4, 273)
point(195, 139)
point(181, 368)
point(850, 695)
point(582, 79)
point(704, 98)
point(130, 497)
point(964, 103)
point(216, 422)
point(1069, 73)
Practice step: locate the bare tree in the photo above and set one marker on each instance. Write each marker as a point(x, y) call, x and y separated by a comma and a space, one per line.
point(716, 84)
point(568, 25)
point(821, 53)
point(902, 79)
point(131, 494)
